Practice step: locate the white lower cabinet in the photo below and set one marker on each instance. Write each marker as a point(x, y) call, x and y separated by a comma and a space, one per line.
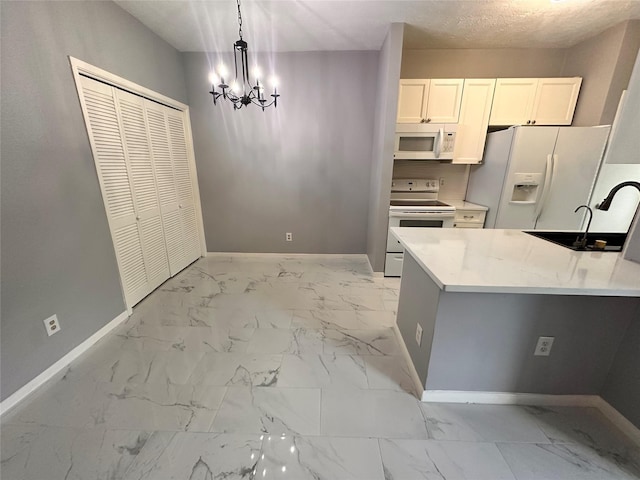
point(469, 219)
point(393, 264)
point(147, 182)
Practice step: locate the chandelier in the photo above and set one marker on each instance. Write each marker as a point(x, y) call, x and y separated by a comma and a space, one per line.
point(241, 92)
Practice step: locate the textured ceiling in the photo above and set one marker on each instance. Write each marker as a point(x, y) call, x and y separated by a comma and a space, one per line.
point(303, 25)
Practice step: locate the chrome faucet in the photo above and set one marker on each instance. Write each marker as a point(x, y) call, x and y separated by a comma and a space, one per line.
point(606, 203)
point(581, 243)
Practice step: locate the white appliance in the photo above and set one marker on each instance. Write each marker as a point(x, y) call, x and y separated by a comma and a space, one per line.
point(424, 141)
point(414, 203)
point(534, 177)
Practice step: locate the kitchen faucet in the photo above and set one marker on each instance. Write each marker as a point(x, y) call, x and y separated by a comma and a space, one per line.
point(606, 203)
point(581, 243)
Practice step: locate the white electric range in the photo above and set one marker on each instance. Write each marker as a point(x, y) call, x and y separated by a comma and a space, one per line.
point(415, 204)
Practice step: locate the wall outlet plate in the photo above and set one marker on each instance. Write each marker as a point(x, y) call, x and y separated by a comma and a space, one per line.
point(418, 334)
point(289, 237)
point(543, 347)
point(52, 325)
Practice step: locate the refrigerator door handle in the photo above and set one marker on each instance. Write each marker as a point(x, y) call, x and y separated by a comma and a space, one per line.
point(548, 179)
point(437, 148)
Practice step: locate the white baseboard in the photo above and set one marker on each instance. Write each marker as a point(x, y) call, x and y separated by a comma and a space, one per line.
point(509, 398)
point(285, 254)
point(619, 420)
point(417, 384)
point(22, 393)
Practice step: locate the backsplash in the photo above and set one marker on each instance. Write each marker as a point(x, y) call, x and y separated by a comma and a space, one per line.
point(455, 176)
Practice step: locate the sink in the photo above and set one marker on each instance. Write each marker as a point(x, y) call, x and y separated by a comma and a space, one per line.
point(615, 241)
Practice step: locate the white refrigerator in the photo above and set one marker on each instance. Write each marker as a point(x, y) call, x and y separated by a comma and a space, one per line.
point(535, 177)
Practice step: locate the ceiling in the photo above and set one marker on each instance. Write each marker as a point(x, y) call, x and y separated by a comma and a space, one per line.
point(305, 25)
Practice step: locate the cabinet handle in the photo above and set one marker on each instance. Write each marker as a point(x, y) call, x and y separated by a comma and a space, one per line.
point(137, 217)
point(428, 120)
point(422, 120)
point(180, 206)
point(468, 216)
point(528, 122)
point(533, 123)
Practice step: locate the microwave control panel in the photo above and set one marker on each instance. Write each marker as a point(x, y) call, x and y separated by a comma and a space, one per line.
point(448, 141)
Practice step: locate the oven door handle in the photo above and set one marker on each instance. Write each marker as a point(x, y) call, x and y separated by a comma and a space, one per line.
point(434, 215)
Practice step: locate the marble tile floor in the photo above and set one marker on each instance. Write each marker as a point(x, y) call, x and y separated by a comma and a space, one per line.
point(282, 367)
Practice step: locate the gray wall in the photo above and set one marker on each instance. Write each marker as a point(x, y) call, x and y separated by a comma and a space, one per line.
point(57, 255)
point(388, 76)
point(622, 389)
point(485, 342)
point(605, 63)
point(482, 63)
point(303, 167)
point(418, 304)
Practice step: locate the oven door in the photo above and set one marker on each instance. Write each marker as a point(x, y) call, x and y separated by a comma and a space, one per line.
point(415, 220)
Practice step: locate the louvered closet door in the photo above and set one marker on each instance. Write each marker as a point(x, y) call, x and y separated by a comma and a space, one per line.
point(113, 174)
point(165, 178)
point(184, 185)
point(143, 184)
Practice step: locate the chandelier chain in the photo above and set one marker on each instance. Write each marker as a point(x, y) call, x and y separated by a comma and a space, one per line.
point(239, 20)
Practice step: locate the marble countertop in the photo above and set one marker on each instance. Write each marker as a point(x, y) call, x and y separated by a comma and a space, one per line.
point(510, 261)
point(464, 205)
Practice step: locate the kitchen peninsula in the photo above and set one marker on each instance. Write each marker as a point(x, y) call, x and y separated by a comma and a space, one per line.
point(483, 297)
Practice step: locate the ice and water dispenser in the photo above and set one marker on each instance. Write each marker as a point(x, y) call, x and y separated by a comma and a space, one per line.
point(525, 187)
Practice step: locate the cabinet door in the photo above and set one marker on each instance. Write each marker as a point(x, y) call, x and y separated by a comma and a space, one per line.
point(477, 97)
point(445, 96)
point(412, 101)
point(513, 101)
point(555, 101)
point(101, 117)
point(143, 184)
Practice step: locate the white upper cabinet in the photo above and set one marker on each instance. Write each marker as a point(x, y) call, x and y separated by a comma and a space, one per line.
point(444, 100)
point(413, 96)
point(535, 101)
point(429, 101)
point(555, 101)
point(513, 101)
point(474, 119)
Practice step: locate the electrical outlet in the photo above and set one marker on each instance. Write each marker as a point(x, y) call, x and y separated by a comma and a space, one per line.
point(52, 325)
point(543, 347)
point(289, 237)
point(418, 334)
point(442, 181)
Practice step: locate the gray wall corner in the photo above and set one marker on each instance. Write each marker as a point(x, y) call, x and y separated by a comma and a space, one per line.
point(388, 77)
point(622, 386)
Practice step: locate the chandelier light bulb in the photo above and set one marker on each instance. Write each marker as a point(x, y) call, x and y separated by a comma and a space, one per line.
point(222, 70)
point(213, 78)
point(274, 81)
point(257, 73)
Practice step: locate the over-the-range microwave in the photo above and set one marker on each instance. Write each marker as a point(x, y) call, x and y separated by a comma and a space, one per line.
point(425, 141)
